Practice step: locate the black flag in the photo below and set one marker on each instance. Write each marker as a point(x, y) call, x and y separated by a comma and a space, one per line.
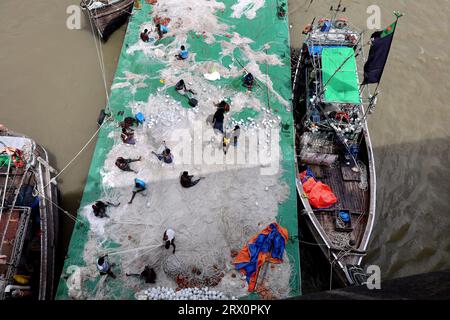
point(378, 54)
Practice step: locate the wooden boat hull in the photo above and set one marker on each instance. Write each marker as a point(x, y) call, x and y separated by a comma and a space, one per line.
point(16, 223)
point(109, 18)
point(314, 220)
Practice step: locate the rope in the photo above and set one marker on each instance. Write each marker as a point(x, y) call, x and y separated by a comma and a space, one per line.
point(79, 152)
point(100, 56)
point(99, 50)
point(71, 216)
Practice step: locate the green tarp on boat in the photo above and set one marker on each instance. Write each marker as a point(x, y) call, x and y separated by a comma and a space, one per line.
point(343, 86)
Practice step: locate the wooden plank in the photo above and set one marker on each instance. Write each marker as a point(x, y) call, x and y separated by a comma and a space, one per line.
point(348, 174)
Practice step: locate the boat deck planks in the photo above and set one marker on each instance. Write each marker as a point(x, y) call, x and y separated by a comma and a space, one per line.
point(349, 194)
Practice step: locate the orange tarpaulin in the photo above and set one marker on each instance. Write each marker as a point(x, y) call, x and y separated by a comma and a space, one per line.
point(266, 246)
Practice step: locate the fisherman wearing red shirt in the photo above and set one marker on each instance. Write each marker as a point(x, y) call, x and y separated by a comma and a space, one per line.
point(144, 36)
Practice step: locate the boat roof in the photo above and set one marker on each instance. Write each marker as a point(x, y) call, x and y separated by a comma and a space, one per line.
point(343, 85)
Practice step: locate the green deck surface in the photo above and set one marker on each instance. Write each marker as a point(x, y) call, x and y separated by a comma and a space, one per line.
point(266, 27)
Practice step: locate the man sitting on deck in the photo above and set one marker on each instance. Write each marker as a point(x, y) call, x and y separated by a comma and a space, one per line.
point(139, 186)
point(99, 208)
point(149, 275)
point(248, 81)
point(180, 87)
point(144, 36)
point(124, 164)
point(104, 267)
point(183, 55)
point(164, 153)
point(127, 136)
point(161, 29)
point(169, 239)
point(186, 180)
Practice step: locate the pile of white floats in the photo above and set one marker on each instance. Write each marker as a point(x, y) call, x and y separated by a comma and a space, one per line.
point(164, 293)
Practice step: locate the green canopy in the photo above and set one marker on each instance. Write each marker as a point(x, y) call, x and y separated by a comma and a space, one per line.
point(343, 86)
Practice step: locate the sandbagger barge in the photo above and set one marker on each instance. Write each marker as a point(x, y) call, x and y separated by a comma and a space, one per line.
point(239, 195)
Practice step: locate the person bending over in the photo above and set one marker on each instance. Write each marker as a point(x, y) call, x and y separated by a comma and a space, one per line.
point(139, 186)
point(183, 55)
point(186, 180)
point(124, 164)
point(163, 153)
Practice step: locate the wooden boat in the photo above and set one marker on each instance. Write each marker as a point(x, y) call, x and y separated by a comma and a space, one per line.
point(28, 219)
point(333, 145)
point(107, 15)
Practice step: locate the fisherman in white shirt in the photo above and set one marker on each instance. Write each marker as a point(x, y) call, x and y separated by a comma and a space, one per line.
point(169, 238)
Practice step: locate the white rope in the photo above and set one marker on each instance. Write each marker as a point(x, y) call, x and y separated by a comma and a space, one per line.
point(135, 249)
point(77, 155)
point(71, 216)
point(100, 56)
point(99, 50)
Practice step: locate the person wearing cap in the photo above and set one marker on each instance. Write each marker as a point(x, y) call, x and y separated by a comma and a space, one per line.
point(139, 186)
point(169, 239)
point(186, 180)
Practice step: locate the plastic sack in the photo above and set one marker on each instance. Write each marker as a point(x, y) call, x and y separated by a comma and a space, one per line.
point(321, 196)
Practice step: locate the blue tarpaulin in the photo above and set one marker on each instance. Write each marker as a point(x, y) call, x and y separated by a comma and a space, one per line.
point(267, 246)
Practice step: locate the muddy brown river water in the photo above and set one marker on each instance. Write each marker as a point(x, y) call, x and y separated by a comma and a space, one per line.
point(51, 88)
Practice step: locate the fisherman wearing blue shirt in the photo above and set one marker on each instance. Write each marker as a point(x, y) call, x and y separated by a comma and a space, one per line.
point(161, 29)
point(139, 186)
point(183, 54)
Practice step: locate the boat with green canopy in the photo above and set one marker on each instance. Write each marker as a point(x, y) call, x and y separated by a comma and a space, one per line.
point(336, 179)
